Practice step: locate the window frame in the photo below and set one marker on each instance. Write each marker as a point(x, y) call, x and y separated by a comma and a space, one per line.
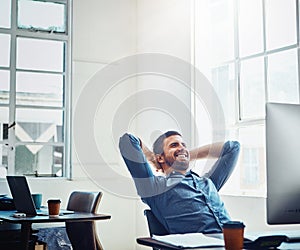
point(65, 37)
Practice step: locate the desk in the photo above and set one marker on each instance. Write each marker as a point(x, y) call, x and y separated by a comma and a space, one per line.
point(148, 241)
point(27, 222)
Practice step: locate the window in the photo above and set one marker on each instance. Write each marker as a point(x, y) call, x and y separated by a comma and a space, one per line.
point(35, 72)
point(249, 50)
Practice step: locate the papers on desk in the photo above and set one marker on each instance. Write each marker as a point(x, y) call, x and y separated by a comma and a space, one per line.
point(190, 240)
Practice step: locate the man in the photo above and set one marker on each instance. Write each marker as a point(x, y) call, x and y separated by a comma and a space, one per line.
point(181, 200)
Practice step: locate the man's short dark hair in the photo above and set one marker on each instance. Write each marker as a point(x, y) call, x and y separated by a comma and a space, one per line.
point(159, 142)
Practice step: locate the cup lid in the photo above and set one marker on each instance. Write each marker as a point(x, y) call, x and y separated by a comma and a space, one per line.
point(233, 224)
point(54, 201)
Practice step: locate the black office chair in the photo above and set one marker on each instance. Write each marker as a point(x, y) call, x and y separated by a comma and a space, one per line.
point(83, 235)
point(154, 226)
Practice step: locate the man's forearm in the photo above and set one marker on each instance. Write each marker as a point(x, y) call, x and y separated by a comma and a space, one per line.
point(149, 155)
point(211, 150)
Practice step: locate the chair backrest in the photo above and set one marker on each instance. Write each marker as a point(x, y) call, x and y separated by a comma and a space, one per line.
point(155, 227)
point(84, 201)
point(83, 235)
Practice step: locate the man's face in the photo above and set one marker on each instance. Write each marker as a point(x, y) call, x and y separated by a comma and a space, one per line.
point(175, 153)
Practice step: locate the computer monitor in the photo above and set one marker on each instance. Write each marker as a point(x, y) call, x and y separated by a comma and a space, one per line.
point(283, 163)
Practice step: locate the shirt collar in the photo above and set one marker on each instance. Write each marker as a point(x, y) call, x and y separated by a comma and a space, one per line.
point(175, 173)
point(191, 173)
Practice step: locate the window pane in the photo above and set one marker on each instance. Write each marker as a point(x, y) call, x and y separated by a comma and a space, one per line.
point(250, 26)
point(281, 23)
point(221, 18)
point(4, 86)
point(3, 137)
point(3, 160)
point(47, 16)
point(283, 83)
point(252, 159)
point(3, 123)
point(39, 89)
point(252, 88)
point(40, 159)
point(38, 54)
point(5, 9)
point(224, 84)
point(38, 125)
point(4, 50)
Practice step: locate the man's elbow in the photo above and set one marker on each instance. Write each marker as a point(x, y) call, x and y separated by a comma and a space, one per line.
point(233, 146)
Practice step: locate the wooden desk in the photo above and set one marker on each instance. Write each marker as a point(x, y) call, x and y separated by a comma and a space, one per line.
point(27, 222)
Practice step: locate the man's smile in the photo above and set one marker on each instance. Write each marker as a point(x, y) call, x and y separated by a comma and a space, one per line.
point(181, 155)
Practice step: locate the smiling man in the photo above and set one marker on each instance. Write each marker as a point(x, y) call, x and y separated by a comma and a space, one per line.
point(182, 201)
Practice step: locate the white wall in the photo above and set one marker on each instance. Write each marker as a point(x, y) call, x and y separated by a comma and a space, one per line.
point(104, 31)
point(164, 28)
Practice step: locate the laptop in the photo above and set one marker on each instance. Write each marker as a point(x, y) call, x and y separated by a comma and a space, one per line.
point(22, 197)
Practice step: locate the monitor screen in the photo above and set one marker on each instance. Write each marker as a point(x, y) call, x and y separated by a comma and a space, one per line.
point(283, 163)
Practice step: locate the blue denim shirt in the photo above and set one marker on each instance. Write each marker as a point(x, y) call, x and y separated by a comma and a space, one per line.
point(182, 203)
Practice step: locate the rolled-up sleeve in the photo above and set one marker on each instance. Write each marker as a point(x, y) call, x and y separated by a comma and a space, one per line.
point(224, 166)
point(134, 157)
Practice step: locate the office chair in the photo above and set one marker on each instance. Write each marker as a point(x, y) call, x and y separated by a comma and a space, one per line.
point(154, 226)
point(83, 235)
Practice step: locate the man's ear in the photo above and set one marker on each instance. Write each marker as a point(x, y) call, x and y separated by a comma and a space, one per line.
point(160, 158)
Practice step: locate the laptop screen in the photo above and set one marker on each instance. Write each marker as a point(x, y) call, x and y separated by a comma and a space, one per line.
point(21, 194)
